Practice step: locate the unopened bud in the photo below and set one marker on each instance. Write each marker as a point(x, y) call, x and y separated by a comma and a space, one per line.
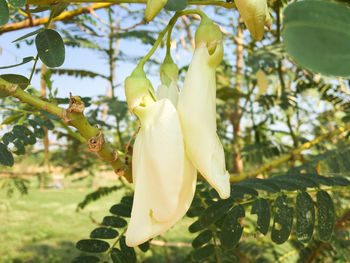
point(153, 7)
point(255, 15)
point(138, 89)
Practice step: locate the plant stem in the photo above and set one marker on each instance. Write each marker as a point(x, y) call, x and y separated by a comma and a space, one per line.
point(190, 2)
point(76, 120)
point(114, 244)
point(33, 69)
point(168, 29)
point(218, 260)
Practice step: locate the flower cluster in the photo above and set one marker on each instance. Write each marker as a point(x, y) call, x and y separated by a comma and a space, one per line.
point(177, 138)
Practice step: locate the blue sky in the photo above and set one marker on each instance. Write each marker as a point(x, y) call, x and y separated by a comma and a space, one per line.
point(80, 58)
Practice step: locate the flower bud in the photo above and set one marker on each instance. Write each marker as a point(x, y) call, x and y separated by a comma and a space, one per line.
point(138, 89)
point(209, 34)
point(168, 71)
point(153, 7)
point(255, 15)
point(168, 76)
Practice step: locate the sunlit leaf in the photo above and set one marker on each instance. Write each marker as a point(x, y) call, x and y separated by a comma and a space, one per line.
point(4, 13)
point(24, 61)
point(176, 5)
point(50, 48)
point(316, 36)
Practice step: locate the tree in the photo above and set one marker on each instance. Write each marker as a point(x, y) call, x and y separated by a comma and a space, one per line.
point(281, 119)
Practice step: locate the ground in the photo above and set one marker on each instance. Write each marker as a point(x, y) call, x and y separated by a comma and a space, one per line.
point(43, 226)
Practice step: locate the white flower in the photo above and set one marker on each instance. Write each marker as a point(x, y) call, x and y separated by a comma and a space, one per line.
point(197, 110)
point(255, 15)
point(164, 180)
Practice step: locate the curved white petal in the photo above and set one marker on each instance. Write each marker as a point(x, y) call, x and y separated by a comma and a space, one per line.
point(171, 92)
point(197, 112)
point(164, 182)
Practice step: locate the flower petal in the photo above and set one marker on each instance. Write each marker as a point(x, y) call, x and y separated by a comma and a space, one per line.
point(197, 112)
point(164, 183)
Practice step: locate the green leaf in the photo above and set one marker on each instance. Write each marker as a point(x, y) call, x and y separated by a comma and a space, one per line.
point(20, 149)
point(117, 256)
point(17, 3)
point(104, 233)
point(282, 224)
point(262, 209)
point(128, 252)
point(238, 191)
point(215, 212)
point(325, 216)
point(305, 217)
point(92, 245)
point(114, 221)
point(144, 246)
point(8, 137)
point(176, 5)
point(99, 193)
point(58, 8)
point(24, 134)
point(121, 210)
point(35, 32)
point(226, 93)
point(316, 35)
point(86, 259)
point(303, 181)
point(50, 48)
point(203, 238)
point(6, 157)
point(195, 227)
point(4, 13)
point(19, 80)
point(195, 211)
point(127, 200)
point(261, 184)
point(144, 35)
point(204, 252)
point(232, 230)
point(24, 60)
point(12, 118)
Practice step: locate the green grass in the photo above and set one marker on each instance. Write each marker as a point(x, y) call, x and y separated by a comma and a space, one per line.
point(43, 226)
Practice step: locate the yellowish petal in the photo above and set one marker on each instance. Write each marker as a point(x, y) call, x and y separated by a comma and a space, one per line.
point(171, 92)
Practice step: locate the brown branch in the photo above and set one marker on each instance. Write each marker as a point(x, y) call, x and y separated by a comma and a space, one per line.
point(63, 16)
point(72, 117)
